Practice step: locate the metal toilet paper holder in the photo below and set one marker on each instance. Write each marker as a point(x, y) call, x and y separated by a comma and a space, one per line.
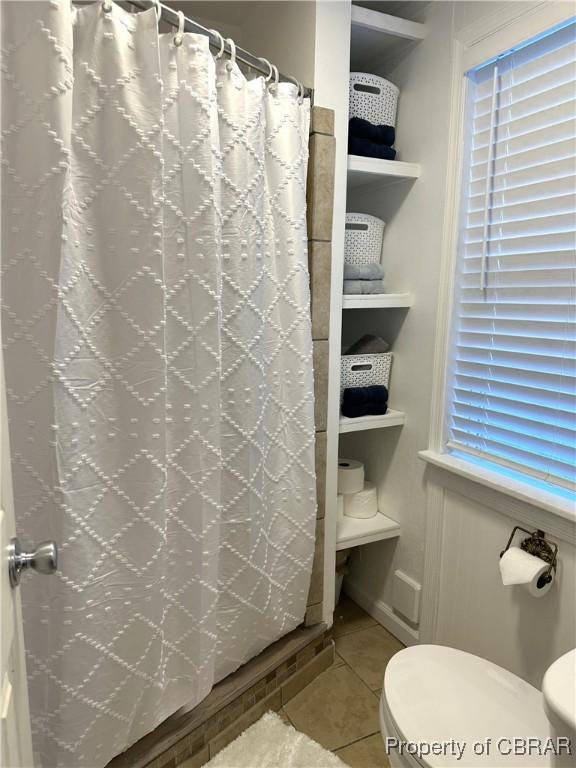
point(536, 544)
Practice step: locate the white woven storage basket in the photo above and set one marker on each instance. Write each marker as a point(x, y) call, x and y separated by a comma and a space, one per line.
point(365, 370)
point(373, 98)
point(363, 239)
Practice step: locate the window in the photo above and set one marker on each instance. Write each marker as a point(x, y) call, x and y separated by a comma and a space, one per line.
point(511, 385)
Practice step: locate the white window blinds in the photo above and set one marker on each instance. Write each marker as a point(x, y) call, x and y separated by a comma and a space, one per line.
point(511, 396)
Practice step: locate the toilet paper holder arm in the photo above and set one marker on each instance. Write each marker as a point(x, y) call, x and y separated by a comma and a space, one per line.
point(536, 544)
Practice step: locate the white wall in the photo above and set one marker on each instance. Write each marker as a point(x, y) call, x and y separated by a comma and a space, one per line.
point(476, 613)
point(466, 606)
point(282, 31)
point(213, 15)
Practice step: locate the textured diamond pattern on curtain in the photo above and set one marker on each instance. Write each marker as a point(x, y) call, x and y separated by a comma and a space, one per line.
point(191, 251)
point(268, 430)
point(158, 362)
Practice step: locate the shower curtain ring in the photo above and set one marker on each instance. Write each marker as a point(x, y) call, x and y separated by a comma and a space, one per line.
point(276, 75)
point(158, 6)
point(222, 43)
point(232, 44)
point(299, 86)
point(107, 6)
point(270, 70)
point(179, 36)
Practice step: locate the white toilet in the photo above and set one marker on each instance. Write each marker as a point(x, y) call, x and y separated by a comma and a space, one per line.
point(448, 701)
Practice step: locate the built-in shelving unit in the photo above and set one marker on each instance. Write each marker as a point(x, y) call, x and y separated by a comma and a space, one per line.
point(376, 36)
point(389, 419)
point(377, 301)
point(369, 184)
point(353, 532)
point(367, 170)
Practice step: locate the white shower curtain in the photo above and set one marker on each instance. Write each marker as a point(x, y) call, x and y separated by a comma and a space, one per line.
point(159, 368)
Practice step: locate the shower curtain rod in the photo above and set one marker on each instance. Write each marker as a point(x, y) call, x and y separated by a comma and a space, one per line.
point(170, 16)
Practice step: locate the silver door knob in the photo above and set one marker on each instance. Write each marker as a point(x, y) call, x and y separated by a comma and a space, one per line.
point(44, 559)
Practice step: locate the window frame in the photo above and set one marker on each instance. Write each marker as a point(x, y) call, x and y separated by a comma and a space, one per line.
point(471, 47)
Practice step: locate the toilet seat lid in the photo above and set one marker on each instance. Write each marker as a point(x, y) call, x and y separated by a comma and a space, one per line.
point(442, 695)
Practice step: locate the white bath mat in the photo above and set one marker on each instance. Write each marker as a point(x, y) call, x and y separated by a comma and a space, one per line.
point(270, 743)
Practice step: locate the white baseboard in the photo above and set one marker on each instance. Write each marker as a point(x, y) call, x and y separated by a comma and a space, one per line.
point(383, 614)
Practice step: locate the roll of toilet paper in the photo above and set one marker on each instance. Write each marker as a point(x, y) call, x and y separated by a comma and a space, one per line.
point(363, 504)
point(340, 505)
point(350, 476)
point(518, 567)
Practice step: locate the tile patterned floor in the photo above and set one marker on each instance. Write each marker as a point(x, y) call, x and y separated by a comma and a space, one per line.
point(339, 709)
point(368, 652)
point(335, 709)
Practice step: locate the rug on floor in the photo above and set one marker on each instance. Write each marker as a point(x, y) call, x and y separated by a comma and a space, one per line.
point(271, 743)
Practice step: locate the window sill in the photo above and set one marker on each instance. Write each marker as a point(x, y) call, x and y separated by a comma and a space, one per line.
point(505, 485)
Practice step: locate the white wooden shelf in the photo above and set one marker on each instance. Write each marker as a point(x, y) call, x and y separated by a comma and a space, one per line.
point(366, 170)
point(377, 301)
point(377, 36)
point(390, 419)
point(352, 532)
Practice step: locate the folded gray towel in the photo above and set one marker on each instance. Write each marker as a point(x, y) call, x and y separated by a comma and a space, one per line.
point(363, 286)
point(363, 271)
point(368, 345)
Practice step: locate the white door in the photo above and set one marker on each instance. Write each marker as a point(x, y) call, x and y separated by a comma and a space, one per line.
point(15, 739)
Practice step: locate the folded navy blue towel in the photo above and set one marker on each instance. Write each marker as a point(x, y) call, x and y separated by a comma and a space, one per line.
point(367, 148)
point(377, 393)
point(379, 134)
point(352, 411)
